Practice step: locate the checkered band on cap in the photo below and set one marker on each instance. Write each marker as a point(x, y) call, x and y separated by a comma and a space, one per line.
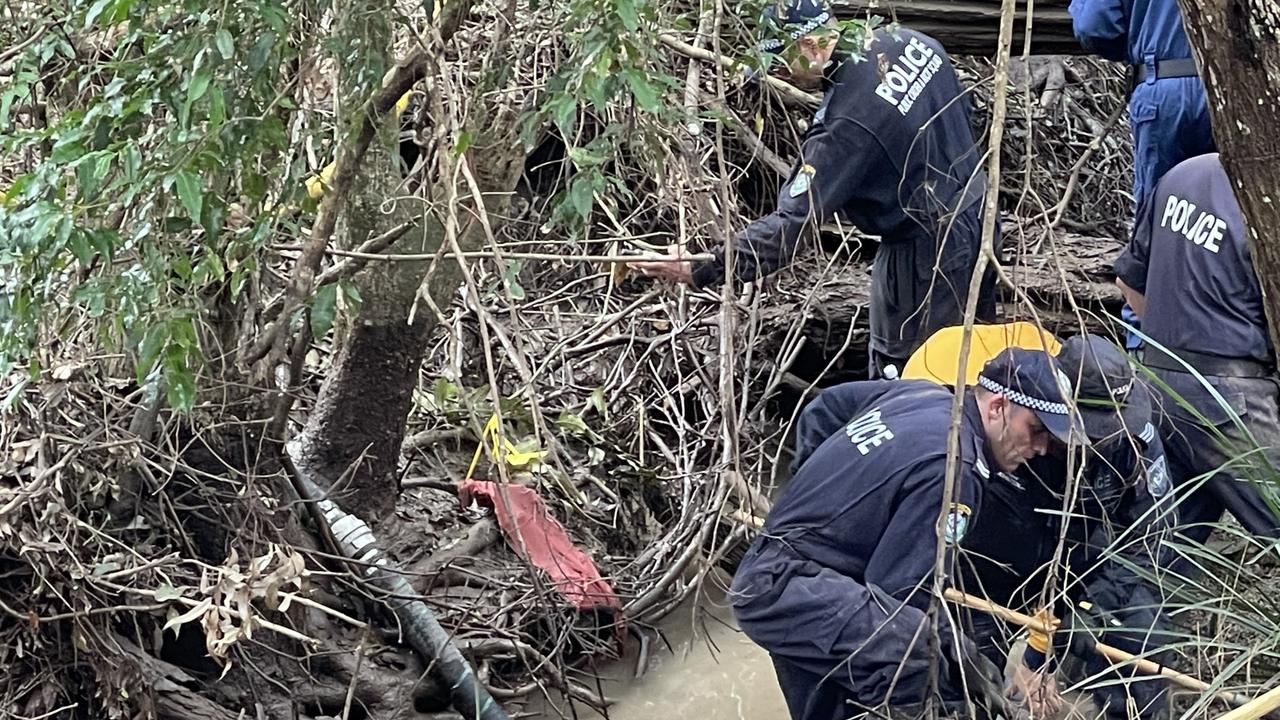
point(1053, 408)
point(799, 31)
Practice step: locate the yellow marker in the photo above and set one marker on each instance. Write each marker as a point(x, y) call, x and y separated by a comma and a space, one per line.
point(318, 184)
point(937, 358)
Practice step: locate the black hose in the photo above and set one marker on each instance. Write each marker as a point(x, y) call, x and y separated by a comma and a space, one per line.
point(355, 541)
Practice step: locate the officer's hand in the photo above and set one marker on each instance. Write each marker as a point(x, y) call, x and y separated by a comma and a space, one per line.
point(983, 679)
point(670, 267)
point(1038, 689)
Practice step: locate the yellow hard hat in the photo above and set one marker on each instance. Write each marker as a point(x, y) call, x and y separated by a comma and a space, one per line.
point(938, 358)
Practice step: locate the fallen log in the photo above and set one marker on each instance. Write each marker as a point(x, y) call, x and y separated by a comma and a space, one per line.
point(171, 692)
point(970, 27)
point(1071, 270)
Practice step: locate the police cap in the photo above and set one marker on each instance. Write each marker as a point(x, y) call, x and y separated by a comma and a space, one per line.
point(1029, 378)
point(1109, 396)
point(784, 21)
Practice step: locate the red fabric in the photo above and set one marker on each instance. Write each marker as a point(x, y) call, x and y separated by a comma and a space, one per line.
point(537, 536)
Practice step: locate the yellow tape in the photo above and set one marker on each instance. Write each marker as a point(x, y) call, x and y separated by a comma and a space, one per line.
point(1036, 639)
point(503, 449)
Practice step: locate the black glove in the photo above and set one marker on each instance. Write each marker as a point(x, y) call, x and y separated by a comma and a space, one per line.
point(972, 669)
point(1085, 623)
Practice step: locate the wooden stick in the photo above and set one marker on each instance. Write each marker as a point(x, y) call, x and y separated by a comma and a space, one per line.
point(1256, 707)
point(1004, 613)
point(1114, 654)
point(420, 257)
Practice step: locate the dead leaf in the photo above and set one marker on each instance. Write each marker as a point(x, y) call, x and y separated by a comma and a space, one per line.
point(200, 609)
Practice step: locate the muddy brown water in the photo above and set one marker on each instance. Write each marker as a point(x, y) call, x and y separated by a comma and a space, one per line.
point(711, 672)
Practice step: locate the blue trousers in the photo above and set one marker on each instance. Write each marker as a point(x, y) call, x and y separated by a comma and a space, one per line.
point(1170, 121)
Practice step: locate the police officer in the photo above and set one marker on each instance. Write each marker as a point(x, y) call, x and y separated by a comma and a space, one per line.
point(1187, 273)
point(891, 149)
point(1167, 109)
point(1116, 517)
point(1168, 113)
point(1119, 509)
point(835, 587)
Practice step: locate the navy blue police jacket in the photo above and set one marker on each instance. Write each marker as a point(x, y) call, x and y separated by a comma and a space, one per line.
point(1116, 525)
point(865, 504)
point(890, 148)
point(1190, 257)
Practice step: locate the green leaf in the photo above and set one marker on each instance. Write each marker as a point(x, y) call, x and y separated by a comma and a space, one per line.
point(80, 247)
point(585, 158)
point(15, 393)
point(87, 179)
point(563, 111)
point(188, 186)
point(599, 88)
point(226, 46)
point(627, 13)
point(199, 85)
point(238, 276)
point(149, 351)
point(253, 185)
point(217, 108)
point(464, 142)
point(597, 401)
point(580, 196)
point(180, 382)
point(443, 392)
point(65, 151)
point(510, 275)
point(323, 309)
point(572, 422)
point(95, 11)
point(167, 592)
point(645, 94)
point(104, 241)
point(132, 162)
point(261, 51)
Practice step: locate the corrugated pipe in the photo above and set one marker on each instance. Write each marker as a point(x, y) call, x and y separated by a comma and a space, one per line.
point(353, 539)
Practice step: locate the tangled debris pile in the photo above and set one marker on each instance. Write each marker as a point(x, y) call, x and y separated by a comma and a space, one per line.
point(156, 562)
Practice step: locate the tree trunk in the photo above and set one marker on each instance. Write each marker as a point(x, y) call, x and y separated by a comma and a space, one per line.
point(1237, 46)
point(353, 436)
point(970, 27)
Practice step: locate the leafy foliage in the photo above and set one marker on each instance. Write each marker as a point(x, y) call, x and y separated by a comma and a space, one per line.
point(177, 130)
point(612, 97)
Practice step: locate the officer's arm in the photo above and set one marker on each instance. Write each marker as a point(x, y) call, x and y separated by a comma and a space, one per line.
point(1131, 266)
point(1148, 516)
point(831, 410)
point(1135, 299)
point(823, 180)
point(1135, 543)
point(904, 559)
point(889, 623)
point(1102, 27)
